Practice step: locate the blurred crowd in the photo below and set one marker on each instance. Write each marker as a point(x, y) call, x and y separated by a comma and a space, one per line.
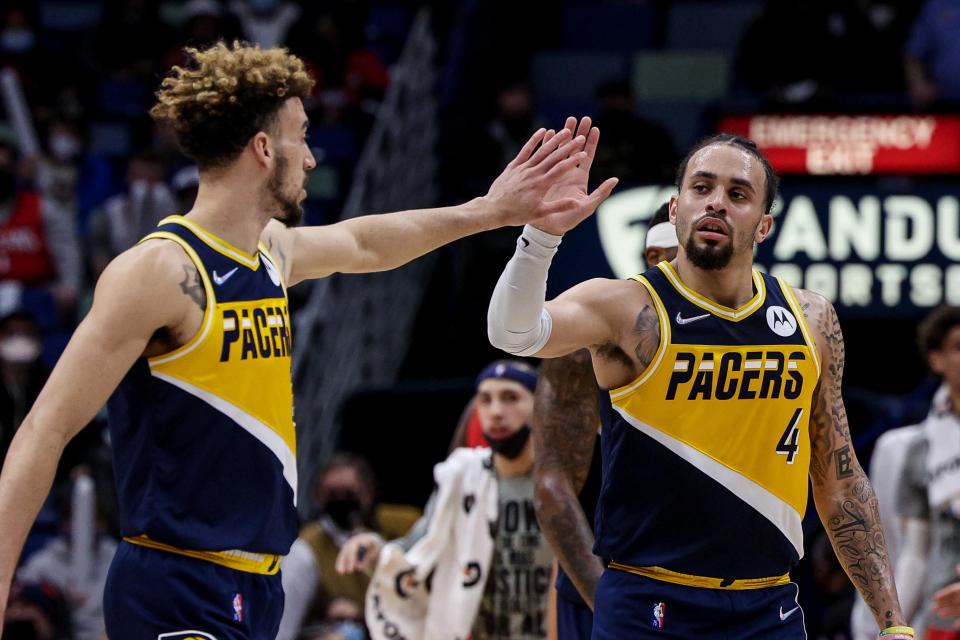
point(104, 175)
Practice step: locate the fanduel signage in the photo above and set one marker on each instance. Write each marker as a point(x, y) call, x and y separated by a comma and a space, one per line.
point(866, 249)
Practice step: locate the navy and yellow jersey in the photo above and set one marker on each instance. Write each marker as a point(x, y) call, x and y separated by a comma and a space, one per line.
point(706, 454)
point(203, 436)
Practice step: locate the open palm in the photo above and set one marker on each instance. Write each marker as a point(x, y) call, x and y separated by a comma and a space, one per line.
point(546, 184)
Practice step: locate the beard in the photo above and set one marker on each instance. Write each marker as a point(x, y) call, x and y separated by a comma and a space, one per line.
point(708, 257)
point(291, 213)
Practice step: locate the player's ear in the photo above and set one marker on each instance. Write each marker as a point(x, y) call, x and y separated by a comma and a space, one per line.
point(262, 151)
point(672, 209)
point(764, 228)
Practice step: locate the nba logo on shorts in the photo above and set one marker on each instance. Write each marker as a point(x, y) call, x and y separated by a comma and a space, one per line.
point(658, 613)
point(238, 607)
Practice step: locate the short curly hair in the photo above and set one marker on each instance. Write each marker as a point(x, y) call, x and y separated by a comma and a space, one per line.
point(225, 95)
point(933, 330)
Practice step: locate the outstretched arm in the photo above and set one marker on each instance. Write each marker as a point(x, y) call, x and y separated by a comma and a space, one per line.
point(842, 492)
point(565, 420)
point(521, 194)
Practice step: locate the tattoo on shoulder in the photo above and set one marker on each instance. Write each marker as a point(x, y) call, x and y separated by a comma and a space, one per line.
point(192, 285)
point(647, 329)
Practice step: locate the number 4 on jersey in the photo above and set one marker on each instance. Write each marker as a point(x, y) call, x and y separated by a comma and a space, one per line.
point(788, 445)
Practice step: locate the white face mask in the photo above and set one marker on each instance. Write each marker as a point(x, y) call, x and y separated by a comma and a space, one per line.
point(19, 349)
point(64, 147)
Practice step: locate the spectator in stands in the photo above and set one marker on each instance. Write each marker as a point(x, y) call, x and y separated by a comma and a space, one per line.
point(20, 45)
point(928, 499)
point(932, 57)
point(56, 564)
point(345, 496)
point(637, 150)
point(661, 241)
point(127, 217)
point(38, 244)
point(22, 374)
point(37, 612)
point(266, 22)
point(479, 541)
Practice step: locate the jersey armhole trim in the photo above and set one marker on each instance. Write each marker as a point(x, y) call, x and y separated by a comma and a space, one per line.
point(621, 392)
point(801, 321)
point(208, 313)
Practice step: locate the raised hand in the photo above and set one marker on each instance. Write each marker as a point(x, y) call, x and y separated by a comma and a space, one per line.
point(546, 184)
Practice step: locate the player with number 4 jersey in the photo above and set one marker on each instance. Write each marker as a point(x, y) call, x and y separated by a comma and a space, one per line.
point(722, 396)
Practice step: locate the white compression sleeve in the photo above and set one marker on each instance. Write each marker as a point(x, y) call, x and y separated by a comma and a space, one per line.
point(516, 319)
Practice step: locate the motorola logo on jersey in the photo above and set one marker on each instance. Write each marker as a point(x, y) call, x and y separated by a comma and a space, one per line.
point(736, 375)
point(255, 332)
point(781, 321)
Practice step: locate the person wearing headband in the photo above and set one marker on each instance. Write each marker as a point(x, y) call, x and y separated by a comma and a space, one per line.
point(661, 241)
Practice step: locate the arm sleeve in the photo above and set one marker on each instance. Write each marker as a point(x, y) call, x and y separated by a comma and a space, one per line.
point(516, 320)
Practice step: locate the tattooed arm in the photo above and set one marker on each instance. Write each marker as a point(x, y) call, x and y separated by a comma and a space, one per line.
point(137, 294)
point(841, 490)
point(565, 420)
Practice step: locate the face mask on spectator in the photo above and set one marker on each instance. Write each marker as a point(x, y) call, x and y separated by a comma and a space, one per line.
point(19, 349)
point(16, 40)
point(64, 147)
point(345, 510)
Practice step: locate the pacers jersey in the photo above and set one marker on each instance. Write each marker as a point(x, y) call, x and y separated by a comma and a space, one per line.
point(203, 436)
point(706, 453)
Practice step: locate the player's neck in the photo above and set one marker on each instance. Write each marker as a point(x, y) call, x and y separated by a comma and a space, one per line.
point(521, 465)
point(228, 207)
point(731, 286)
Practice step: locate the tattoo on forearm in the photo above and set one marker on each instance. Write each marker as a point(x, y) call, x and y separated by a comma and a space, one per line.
point(845, 499)
point(857, 536)
point(844, 461)
point(564, 429)
point(192, 285)
point(647, 330)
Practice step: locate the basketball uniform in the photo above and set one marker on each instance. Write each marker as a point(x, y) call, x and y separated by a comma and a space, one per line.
point(706, 456)
point(204, 451)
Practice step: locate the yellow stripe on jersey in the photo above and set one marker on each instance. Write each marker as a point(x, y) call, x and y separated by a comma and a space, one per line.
point(675, 577)
point(739, 413)
point(801, 320)
point(261, 563)
point(716, 308)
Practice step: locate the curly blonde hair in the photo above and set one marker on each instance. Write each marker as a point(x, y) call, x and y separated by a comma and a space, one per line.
point(225, 95)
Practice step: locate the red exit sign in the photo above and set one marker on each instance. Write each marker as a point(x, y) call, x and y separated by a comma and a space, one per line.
point(853, 144)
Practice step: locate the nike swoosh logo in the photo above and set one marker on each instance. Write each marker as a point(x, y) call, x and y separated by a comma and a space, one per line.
point(682, 320)
point(221, 279)
point(784, 616)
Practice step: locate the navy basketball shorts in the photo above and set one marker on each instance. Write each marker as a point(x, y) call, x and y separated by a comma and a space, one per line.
point(156, 595)
point(574, 619)
point(634, 607)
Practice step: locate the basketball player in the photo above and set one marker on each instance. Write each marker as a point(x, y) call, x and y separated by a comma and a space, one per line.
point(190, 332)
point(568, 472)
point(724, 393)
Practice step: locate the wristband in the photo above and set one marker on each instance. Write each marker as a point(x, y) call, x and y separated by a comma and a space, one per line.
point(898, 633)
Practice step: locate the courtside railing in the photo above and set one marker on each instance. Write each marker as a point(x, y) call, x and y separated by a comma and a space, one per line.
point(354, 329)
